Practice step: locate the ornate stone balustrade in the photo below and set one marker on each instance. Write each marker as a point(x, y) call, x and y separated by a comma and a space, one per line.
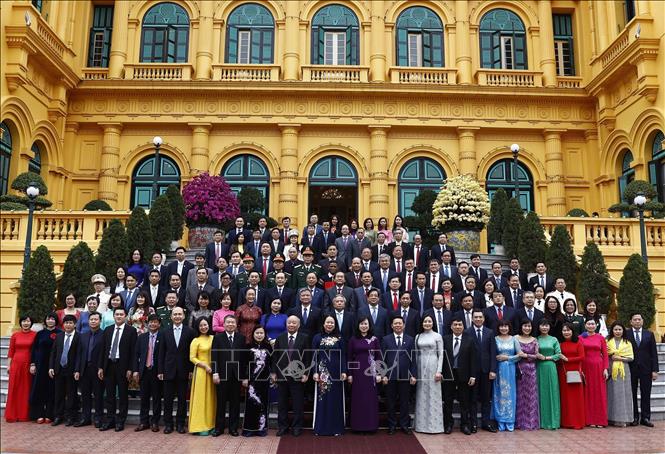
point(569, 82)
point(245, 73)
point(436, 76)
point(509, 78)
point(158, 71)
point(95, 73)
point(322, 73)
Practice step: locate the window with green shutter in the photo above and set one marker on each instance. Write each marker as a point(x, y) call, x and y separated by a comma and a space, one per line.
point(335, 28)
point(250, 35)
point(5, 156)
point(563, 44)
point(657, 165)
point(419, 38)
point(165, 34)
point(100, 37)
point(502, 40)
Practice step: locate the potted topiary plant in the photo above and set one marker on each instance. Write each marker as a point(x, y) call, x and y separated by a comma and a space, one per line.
point(209, 202)
point(461, 210)
point(631, 190)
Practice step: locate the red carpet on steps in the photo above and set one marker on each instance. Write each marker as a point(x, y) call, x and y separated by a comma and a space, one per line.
point(350, 443)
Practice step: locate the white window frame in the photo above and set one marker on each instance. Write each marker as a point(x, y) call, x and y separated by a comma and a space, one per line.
point(415, 39)
point(507, 52)
point(334, 52)
point(244, 47)
point(558, 54)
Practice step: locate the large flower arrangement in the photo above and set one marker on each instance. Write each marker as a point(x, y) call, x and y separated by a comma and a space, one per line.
point(461, 204)
point(209, 200)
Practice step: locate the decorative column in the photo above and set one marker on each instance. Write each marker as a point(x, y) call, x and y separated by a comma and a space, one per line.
point(204, 51)
point(291, 56)
point(108, 175)
point(378, 164)
point(601, 26)
point(547, 61)
point(377, 59)
point(118, 54)
point(467, 150)
point(462, 38)
point(200, 147)
point(288, 174)
point(642, 8)
point(556, 189)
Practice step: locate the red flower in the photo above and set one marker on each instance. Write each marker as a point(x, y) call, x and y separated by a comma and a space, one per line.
point(53, 335)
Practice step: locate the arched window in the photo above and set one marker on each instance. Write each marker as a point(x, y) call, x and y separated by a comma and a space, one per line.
point(502, 40)
point(333, 189)
point(165, 34)
point(144, 177)
point(504, 175)
point(657, 165)
point(247, 170)
point(250, 35)
point(335, 36)
point(35, 164)
point(415, 176)
point(419, 38)
point(5, 156)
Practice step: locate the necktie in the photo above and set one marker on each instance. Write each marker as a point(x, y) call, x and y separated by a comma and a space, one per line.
point(398, 266)
point(367, 266)
point(217, 251)
point(479, 335)
point(65, 351)
point(91, 345)
point(638, 339)
point(265, 269)
point(357, 279)
point(542, 281)
point(231, 339)
point(446, 270)
point(200, 288)
point(339, 291)
point(439, 321)
point(395, 301)
point(279, 291)
point(408, 282)
point(500, 314)
point(385, 279)
point(345, 240)
point(561, 296)
point(468, 319)
point(291, 345)
point(399, 341)
point(176, 335)
point(417, 255)
point(530, 314)
point(304, 316)
point(340, 317)
point(404, 313)
point(514, 297)
point(151, 348)
point(114, 344)
point(374, 314)
point(235, 270)
point(325, 236)
point(456, 350)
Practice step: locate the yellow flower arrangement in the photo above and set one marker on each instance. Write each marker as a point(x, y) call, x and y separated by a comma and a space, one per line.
point(461, 203)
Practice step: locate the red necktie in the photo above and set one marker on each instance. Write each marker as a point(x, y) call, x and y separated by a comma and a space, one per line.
point(395, 301)
point(408, 282)
point(433, 277)
point(357, 280)
point(417, 255)
point(500, 315)
point(265, 269)
point(398, 266)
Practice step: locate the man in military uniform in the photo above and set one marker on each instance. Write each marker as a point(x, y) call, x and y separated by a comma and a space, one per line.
point(241, 280)
point(164, 312)
point(299, 278)
point(278, 265)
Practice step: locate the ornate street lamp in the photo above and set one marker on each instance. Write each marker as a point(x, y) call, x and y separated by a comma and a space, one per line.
point(157, 142)
point(32, 191)
point(639, 201)
point(515, 148)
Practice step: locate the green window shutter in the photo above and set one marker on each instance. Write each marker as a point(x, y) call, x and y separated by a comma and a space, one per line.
point(255, 47)
point(321, 47)
point(437, 50)
point(232, 46)
point(520, 52)
point(427, 49)
point(402, 47)
point(496, 50)
point(266, 47)
point(349, 58)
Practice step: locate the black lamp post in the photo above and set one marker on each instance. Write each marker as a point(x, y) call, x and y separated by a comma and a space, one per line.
point(515, 148)
point(157, 142)
point(639, 201)
point(32, 191)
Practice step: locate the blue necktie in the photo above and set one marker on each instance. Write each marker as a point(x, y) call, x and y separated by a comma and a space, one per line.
point(65, 350)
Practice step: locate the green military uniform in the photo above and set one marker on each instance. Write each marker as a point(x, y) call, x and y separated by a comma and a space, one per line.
point(241, 280)
point(300, 272)
point(164, 314)
point(270, 279)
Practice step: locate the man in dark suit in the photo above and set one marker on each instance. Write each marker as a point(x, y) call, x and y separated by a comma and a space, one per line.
point(397, 262)
point(117, 362)
point(276, 242)
point(476, 270)
point(442, 317)
point(264, 264)
point(362, 241)
point(347, 248)
point(324, 239)
point(383, 275)
point(381, 246)
point(62, 364)
point(360, 293)
point(399, 243)
point(309, 316)
point(410, 316)
point(643, 369)
point(421, 295)
point(179, 266)
point(131, 291)
point(85, 372)
point(174, 368)
point(513, 294)
point(291, 346)
point(390, 299)
point(434, 276)
point(353, 276)
point(466, 310)
point(343, 316)
point(440, 248)
point(542, 278)
point(200, 285)
point(486, 366)
point(476, 295)
point(459, 278)
point(446, 265)
point(175, 285)
point(285, 230)
point(498, 311)
point(229, 362)
point(215, 249)
point(316, 292)
point(398, 354)
point(527, 312)
point(500, 282)
point(340, 289)
point(232, 235)
point(366, 261)
point(156, 264)
point(377, 315)
point(460, 371)
point(153, 288)
point(515, 269)
point(147, 352)
point(420, 253)
point(280, 291)
point(408, 276)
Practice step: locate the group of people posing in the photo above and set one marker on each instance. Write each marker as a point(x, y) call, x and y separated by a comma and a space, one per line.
point(353, 314)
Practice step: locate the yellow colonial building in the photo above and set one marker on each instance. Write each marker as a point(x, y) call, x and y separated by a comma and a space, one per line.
point(346, 107)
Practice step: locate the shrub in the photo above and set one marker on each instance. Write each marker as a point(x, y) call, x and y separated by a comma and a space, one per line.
point(12, 206)
point(209, 200)
point(97, 205)
point(177, 211)
point(561, 258)
point(636, 291)
point(41, 203)
point(79, 268)
point(630, 192)
point(512, 220)
point(461, 204)
point(594, 278)
point(577, 213)
point(251, 200)
point(112, 251)
point(497, 209)
point(25, 179)
point(532, 247)
point(139, 233)
point(37, 294)
point(161, 220)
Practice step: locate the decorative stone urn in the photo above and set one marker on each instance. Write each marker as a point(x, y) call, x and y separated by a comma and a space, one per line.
point(464, 240)
point(201, 235)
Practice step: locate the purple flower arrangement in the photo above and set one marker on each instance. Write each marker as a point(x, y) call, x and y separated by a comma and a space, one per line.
point(209, 200)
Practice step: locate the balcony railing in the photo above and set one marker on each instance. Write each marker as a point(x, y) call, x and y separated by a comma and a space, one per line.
point(569, 82)
point(245, 73)
point(509, 78)
point(158, 71)
point(410, 75)
point(321, 73)
point(95, 73)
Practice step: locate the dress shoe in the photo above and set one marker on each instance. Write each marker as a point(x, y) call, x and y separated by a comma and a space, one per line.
point(646, 422)
point(168, 429)
point(635, 422)
point(233, 433)
point(490, 429)
point(466, 430)
point(473, 429)
point(98, 424)
point(391, 430)
point(282, 432)
point(47, 421)
point(181, 430)
point(57, 422)
point(119, 427)
point(448, 430)
point(40, 421)
point(105, 427)
point(69, 423)
point(154, 428)
point(297, 432)
point(406, 430)
point(141, 427)
point(82, 423)
point(215, 433)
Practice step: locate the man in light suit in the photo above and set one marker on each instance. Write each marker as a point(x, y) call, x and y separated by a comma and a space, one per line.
point(347, 248)
point(199, 262)
point(643, 369)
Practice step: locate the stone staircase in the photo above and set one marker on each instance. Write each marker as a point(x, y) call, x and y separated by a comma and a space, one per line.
point(657, 393)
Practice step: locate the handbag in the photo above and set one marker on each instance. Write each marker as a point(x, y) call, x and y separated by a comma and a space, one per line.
point(573, 376)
